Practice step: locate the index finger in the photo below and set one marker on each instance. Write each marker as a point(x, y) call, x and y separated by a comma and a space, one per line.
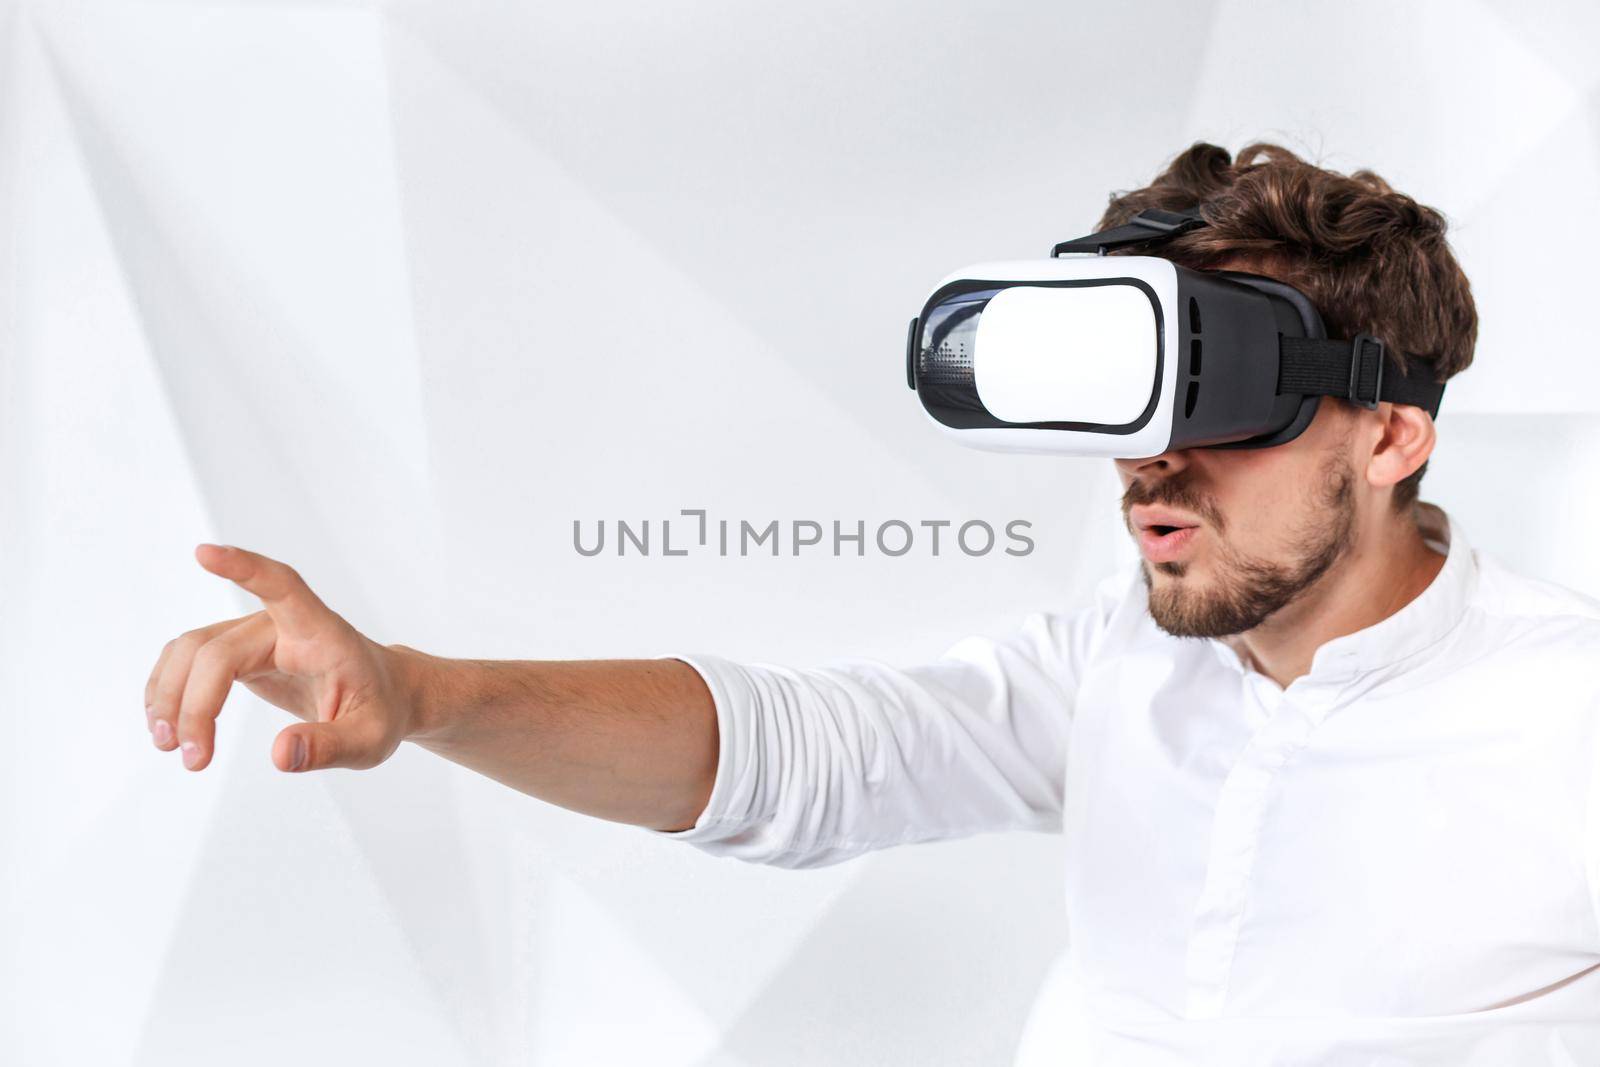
point(285, 595)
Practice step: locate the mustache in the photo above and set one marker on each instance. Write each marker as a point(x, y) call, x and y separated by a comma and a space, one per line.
point(1177, 491)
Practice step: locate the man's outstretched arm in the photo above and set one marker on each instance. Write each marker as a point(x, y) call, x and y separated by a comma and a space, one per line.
point(633, 741)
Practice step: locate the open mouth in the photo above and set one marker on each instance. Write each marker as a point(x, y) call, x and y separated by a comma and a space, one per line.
point(1164, 542)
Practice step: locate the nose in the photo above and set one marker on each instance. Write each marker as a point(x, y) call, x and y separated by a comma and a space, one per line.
point(1153, 467)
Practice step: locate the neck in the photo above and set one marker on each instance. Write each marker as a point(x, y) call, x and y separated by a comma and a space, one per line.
point(1387, 567)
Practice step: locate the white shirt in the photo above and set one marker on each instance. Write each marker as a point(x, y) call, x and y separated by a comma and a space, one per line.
point(1394, 860)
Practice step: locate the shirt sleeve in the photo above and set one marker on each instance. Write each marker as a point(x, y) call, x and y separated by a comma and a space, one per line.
point(818, 765)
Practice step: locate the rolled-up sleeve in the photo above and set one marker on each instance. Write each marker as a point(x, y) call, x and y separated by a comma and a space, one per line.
point(818, 765)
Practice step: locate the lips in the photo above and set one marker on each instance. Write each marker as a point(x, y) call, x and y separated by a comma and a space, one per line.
point(1164, 547)
point(1164, 534)
point(1146, 515)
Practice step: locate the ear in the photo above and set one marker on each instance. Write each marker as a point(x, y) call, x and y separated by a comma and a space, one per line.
point(1404, 444)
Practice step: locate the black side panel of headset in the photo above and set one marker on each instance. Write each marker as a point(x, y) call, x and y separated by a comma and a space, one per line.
point(1295, 316)
point(1226, 388)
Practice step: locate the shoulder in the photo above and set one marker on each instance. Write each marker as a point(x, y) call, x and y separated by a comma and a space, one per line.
point(1519, 601)
point(1545, 624)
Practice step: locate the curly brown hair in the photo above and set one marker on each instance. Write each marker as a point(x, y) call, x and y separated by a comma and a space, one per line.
point(1371, 259)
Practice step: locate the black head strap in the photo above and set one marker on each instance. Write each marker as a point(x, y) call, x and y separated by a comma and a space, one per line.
point(1357, 370)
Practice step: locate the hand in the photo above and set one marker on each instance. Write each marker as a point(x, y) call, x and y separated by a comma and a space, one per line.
point(296, 653)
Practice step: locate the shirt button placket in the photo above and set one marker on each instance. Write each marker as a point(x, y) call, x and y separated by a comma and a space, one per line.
point(1235, 835)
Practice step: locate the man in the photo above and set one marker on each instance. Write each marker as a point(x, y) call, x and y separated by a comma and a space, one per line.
point(1325, 775)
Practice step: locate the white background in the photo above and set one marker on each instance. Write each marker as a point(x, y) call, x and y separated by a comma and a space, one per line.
point(397, 291)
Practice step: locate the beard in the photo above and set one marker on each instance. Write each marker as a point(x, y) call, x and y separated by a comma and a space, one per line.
point(1248, 589)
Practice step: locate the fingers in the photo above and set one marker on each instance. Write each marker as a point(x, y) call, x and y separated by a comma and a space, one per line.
point(163, 691)
point(244, 649)
point(195, 672)
point(317, 746)
point(287, 598)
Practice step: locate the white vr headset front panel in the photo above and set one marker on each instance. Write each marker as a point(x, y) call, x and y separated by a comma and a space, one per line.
point(1084, 354)
point(1070, 354)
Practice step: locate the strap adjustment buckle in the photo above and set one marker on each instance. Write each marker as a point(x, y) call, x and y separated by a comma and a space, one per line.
point(1359, 346)
point(1168, 221)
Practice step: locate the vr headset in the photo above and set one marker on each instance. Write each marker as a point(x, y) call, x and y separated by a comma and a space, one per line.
point(1132, 355)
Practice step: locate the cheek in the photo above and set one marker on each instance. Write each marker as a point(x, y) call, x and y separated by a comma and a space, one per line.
point(1262, 496)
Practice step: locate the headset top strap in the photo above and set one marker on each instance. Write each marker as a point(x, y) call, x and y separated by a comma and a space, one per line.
point(1151, 224)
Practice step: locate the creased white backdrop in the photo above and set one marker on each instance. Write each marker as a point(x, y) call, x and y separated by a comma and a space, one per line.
point(397, 291)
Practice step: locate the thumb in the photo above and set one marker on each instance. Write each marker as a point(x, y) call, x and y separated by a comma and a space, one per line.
point(317, 746)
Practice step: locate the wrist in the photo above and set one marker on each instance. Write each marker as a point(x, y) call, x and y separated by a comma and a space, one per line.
point(420, 685)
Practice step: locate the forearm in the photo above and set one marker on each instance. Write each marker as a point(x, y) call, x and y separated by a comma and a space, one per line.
point(633, 741)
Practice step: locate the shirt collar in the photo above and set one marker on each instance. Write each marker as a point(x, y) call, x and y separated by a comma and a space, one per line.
point(1421, 623)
